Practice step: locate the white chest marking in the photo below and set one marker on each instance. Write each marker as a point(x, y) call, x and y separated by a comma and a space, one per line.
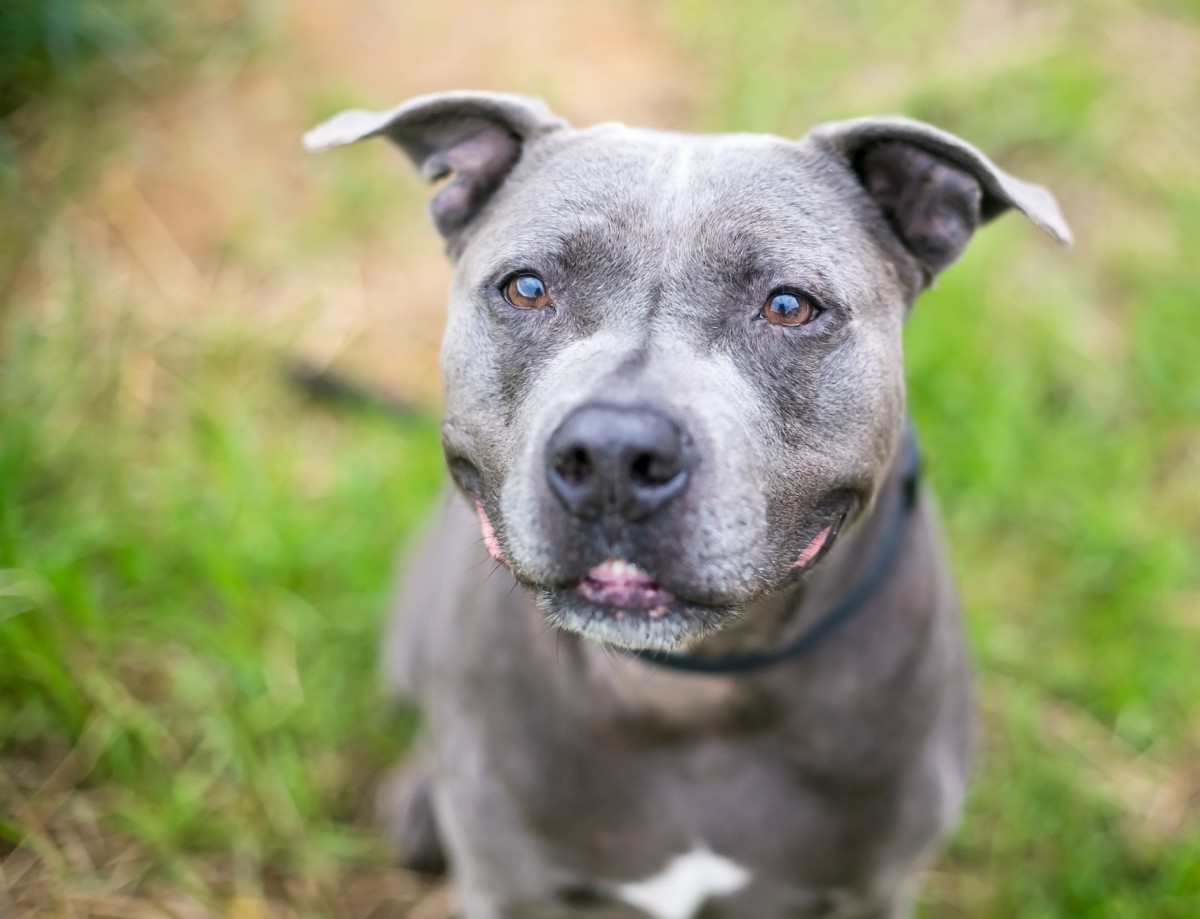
point(681, 888)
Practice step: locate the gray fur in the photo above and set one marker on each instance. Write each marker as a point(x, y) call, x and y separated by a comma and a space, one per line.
point(558, 769)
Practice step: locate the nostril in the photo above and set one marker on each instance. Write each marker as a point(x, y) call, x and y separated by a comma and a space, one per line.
point(650, 469)
point(574, 466)
point(656, 467)
point(641, 466)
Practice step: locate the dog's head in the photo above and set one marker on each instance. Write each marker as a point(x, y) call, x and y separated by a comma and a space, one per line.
point(672, 363)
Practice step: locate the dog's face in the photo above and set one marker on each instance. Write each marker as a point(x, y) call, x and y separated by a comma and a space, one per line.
point(672, 364)
point(712, 309)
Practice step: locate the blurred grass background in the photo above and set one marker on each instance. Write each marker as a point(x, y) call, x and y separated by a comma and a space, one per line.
point(194, 559)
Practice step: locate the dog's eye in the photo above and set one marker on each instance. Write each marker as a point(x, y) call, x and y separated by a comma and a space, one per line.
point(783, 307)
point(526, 291)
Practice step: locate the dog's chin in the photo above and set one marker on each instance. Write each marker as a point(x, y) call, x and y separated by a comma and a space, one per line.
point(666, 625)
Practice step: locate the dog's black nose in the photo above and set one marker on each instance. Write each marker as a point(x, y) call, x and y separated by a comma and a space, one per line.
point(604, 461)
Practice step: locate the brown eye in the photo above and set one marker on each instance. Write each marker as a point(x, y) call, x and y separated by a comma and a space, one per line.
point(786, 308)
point(526, 291)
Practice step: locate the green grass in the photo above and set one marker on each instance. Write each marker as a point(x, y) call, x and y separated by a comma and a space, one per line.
point(193, 560)
point(190, 592)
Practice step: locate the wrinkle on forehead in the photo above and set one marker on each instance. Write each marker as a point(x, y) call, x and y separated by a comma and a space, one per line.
point(734, 209)
point(620, 175)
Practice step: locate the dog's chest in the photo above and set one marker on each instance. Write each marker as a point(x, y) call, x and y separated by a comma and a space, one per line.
point(684, 832)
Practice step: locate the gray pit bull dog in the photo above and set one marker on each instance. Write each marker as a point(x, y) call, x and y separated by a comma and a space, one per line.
point(675, 412)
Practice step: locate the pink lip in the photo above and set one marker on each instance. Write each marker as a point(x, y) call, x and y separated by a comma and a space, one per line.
point(813, 549)
point(489, 535)
point(619, 584)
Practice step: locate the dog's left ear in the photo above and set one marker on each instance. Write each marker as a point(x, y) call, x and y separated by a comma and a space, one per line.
point(472, 138)
point(934, 188)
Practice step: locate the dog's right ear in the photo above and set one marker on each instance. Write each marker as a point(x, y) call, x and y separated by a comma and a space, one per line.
point(474, 138)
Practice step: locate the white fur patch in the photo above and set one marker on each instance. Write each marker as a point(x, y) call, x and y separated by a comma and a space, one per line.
point(681, 888)
point(681, 172)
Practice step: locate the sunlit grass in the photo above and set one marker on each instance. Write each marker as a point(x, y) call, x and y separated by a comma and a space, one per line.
point(194, 560)
point(192, 575)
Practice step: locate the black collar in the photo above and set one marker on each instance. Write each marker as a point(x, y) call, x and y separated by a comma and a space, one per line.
point(851, 603)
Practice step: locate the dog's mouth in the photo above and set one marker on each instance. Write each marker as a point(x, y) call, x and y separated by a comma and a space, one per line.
point(615, 602)
point(618, 603)
point(624, 587)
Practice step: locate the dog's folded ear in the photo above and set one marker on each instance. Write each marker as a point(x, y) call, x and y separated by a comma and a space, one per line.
point(472, 138)
point(934, 188)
